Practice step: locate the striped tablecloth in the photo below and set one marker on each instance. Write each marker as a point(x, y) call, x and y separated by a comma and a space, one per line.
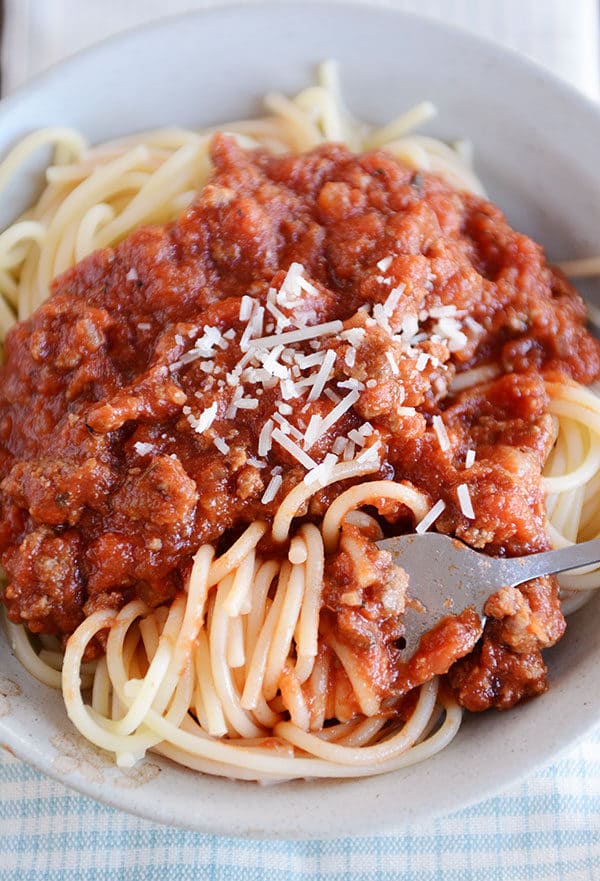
point(545, 829)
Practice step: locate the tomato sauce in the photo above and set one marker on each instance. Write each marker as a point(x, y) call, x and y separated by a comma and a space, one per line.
point(109, 485)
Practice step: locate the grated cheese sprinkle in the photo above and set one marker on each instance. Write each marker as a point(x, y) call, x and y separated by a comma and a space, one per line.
point(323, 375)
point(469, 458)
point(304, 361)
point(393, 299)
point(206, 418)
point(253, 329)
point(339, 445)
point(409, 327)
point(384, 264)
point(449, 329)
point(356, 437)
point(442, 311)
point(442, 434)
point(293, 449)
point(464, 500)
point(422, 361)
point(354, 335)
point(370, 452)
point(143, 449)
point(221, 445)
point(322, 473)
point(313, 431)
point(381, 317)
point(349, 451)
point(272, 489)
point(293, 285)
point(339, 410)
point(286, 427)
point(282, 320)
point(352, 383)
point(246, 308)
point(264, 438)
point(392, 362)
point(430, 517)
point(350, 357)
point(298, 336)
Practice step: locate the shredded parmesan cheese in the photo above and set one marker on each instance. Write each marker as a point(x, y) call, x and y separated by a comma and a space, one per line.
point(442, 434)
point(206, 418)
point(370, 452)
point(272, 489)
point(354, 335)
point(430, 518)
point(304, 361)
point(422, 361)
point(464, 500)
point(253, 329)
point(449, 329)
point(338, 411)
point(349, 451)
point(442, 311)
point(313, 431)
point(221, 445)
point(339, 445)
point(356, 437)
point(322, 376)
point(381, 317)
point(298, 336)
point(293, 449)
point(264, 438)
point(246, 307)
point(322, 473)
point(409, 328)
point(392, 362)
point(286, 427)
point(393, 299)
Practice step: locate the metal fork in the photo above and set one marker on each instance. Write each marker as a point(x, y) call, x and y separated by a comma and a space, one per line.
point(446, 576)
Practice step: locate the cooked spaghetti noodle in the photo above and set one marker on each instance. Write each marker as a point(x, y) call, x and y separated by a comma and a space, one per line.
point(240, 675)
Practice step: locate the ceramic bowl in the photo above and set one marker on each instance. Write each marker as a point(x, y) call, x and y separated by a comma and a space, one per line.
point(536, 147)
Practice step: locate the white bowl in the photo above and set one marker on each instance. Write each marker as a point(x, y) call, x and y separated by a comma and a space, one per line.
point(536, 144)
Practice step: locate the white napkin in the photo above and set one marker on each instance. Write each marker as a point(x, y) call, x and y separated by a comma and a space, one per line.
point(563, 35)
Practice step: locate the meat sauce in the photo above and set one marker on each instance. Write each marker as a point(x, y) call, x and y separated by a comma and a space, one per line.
point(111, 479)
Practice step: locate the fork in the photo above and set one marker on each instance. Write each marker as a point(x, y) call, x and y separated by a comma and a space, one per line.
point(446, 576)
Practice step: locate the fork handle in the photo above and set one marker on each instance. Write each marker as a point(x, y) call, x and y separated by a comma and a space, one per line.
point(520, 569)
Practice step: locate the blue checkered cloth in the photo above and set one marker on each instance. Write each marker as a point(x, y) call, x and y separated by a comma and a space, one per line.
point(545, 829)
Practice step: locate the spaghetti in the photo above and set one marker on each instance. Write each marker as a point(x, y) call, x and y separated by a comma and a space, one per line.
point(247, 671)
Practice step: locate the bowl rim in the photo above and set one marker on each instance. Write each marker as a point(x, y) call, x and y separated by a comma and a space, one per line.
point(215, 8)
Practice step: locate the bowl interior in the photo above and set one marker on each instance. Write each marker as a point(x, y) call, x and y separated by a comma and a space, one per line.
point(535, 147)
